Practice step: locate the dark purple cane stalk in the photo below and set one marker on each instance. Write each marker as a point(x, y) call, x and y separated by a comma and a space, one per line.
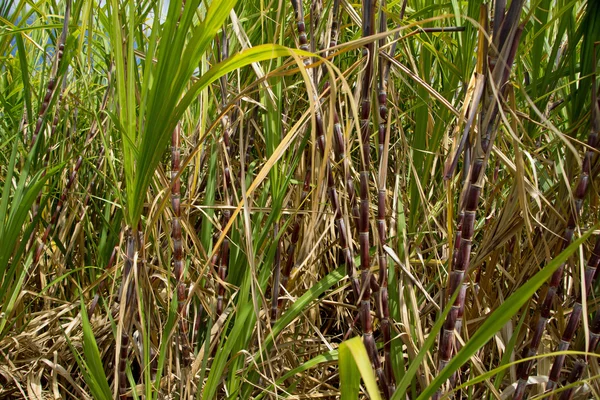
point(574, 318)
point(176, 237)
point(55, 120)
point(341, 156)
point(382, 292)
point(574, 376)
point(301, 26)
point(341, 226)
point(458, 242)
point(382, 84)
point(51, 84)
point(45, 103)
point(333, 37)
point(546, 305)
point(63, 197)
point(368, 28)
point(338, 136)
point(395, 41)
point(594, 259)
point(36, 205)
point(223, 263)
point(507, 46)
point(128, 287)
point(594, 332)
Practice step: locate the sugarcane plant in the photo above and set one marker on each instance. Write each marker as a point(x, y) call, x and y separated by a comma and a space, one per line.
point(305, 198)
point(546, 303)
point(494, 63)
point(589, 274)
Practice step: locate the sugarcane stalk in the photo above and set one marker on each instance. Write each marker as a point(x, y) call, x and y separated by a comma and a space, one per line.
point(383, 141)
point(545, 306)
point(300, 25)
point(57, 211)
point(341, 224)
point(338, 136)
point(177, 238)
point(594, 334)
point(128, 303)
point(54, 75)
point(343, 158)
point(335, 27)
point(340, 221)
point(574, 318)
point(506, 46)
point(223, 263)
point(395, 41)
point(63, 197)
point(281, 277)
point(276, 275)
point(574, 376)
point(43, 109)
point(368, 29)
point(594, 259)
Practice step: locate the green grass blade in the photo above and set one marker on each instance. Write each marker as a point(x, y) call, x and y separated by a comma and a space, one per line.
point(354, 363)
point(98, 382)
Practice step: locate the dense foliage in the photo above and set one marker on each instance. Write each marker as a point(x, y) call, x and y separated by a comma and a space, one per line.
point(254, 199)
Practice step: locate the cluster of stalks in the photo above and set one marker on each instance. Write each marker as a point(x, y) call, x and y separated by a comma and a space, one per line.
point(281, 276)
point(340, 220)
point(42, 115)
point(134, 272)
point(500, 56)
point(63, 197)
point(361, 291)
point(341, 224)
point(490, 87)
point(368, 29)
point(590, 272)
point(384, 140)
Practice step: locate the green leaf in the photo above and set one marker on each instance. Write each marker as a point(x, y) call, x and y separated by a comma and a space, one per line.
point(354, 362)
point(98, 381)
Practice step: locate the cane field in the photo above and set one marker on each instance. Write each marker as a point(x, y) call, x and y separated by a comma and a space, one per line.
point(299, 199)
